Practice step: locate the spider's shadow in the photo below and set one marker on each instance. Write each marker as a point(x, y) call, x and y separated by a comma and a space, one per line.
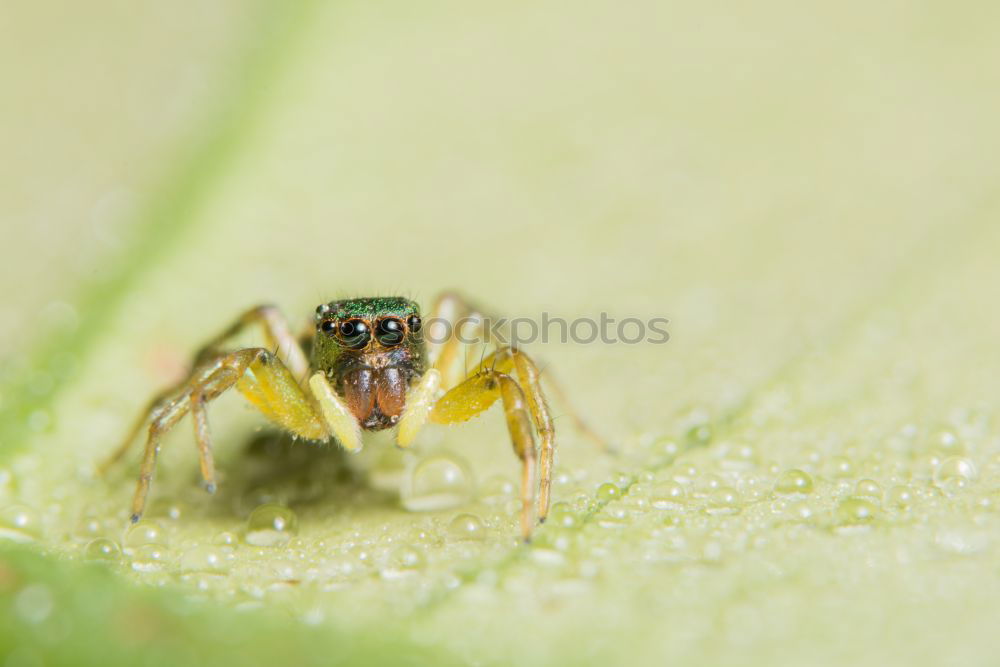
point(275, 468)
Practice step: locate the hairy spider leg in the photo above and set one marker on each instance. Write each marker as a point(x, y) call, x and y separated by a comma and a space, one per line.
point(506, 360)
point(555, 389)
point(444, 355)
point(277, 336)
point(264, 381)
point(476, 394)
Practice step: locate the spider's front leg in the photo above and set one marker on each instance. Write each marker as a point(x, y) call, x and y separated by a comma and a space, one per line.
point(507, 359)
point(465, 401)
point(478, 393)
point(274, 384)
point(263, 380)
point(277, 336)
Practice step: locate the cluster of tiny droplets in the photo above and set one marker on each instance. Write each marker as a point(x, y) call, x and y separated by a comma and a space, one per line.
point(672, 502)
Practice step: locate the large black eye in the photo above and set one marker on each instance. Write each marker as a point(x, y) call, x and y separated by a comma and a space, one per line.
point(389, 331)
point(354, 334)
point(328, 326)
point(414, 323)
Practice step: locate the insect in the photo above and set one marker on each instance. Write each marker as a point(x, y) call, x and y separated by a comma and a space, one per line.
point(364, 366)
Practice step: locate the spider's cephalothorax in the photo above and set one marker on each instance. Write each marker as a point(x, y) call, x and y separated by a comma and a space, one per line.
point(369, 370)
point(372, 352)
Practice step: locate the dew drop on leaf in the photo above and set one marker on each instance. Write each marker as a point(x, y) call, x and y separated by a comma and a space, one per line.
point(438, 482)
point(271, 525)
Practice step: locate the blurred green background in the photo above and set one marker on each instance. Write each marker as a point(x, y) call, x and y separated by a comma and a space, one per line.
point(808, 472)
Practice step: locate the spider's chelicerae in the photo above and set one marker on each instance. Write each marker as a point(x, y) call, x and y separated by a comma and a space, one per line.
point(365, 366)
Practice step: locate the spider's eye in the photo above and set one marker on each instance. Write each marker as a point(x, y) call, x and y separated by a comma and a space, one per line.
point(327, 326)
point(354, 334)
point(389, 331)
point(414, 323)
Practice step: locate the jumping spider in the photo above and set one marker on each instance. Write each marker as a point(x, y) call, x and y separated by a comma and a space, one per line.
point(370, 369)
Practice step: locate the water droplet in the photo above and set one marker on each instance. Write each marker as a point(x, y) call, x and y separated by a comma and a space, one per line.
point(88, 527)
point(271, 525)
point(812, 456)
point(753, 488)
point(437, 483)
point(638, 497)
point(685, 473)
point(841, 466)
point(899, 497)
point(926, 466)
point(20, 523)
point(947, 442)
point(205, 558)
point(738, 456)
point(612, 517)
point(150, 558)
point(955, 467)
point(870, 489)
point(285, 571)
point(226, 539)
point(990, 500)
point(561, 514)
point(623, 479)
point(954, 485)
point(145, 532)
point(668, 495)
point(724, 500)
point(403, 561)
point(663, 451)
point(800, 511)
point(467, 527)
point(497, 490)
point(708, 484)
point(794, 481)
point(164, 508)
point(699, 435)
point(607, 492)
point(102, 550)
point(856, 510)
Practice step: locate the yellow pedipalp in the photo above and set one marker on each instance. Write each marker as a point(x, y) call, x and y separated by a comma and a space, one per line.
point(272, 389)
point(467, 400)
point(343, 425)
point(419, 402)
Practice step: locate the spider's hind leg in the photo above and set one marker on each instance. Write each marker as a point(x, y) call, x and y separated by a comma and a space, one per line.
point(155, 405)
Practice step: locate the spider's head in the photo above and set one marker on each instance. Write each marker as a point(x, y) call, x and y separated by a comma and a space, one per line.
point(375, 325)
point(371, 350)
